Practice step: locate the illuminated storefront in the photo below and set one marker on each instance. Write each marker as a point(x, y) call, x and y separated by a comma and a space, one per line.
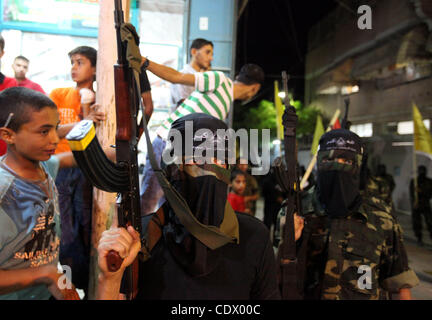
point(44, 31)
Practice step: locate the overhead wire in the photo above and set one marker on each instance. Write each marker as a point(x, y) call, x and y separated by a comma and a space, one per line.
point(294, 31)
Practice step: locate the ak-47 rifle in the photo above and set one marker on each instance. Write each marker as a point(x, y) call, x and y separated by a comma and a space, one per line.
point(289, 282)
point(120, 177)
point(345, 123)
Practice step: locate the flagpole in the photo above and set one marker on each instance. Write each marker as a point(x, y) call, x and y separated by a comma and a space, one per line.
point(422, 144)
point(279, 113)
point(415, 178)
point(414, 166)
point(314, 158)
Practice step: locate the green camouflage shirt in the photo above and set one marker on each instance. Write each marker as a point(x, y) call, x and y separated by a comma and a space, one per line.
point(368, 242)
point(380, 187)
point(366, 255)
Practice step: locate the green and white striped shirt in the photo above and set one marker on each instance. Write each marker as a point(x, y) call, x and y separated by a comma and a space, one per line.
point(213, 95)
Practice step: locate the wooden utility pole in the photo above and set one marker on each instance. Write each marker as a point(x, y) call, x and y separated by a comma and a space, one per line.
point(103, 202)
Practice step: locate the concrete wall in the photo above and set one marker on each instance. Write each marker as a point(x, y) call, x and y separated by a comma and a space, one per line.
point(340, 54)
point(338, 36)
point(371, 105)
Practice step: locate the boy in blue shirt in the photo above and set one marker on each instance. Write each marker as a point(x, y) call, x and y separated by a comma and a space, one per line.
point(29, 211)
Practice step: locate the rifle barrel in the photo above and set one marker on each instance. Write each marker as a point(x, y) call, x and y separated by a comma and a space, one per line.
point(345, 119)
point(285, 78)
point(118, 20)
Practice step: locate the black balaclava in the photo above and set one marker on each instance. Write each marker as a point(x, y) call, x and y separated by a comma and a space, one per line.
point(205, 189)
point(339, 183)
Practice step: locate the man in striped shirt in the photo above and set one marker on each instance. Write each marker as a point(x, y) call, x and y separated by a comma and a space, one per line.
point(201, 54)
point(213, 95)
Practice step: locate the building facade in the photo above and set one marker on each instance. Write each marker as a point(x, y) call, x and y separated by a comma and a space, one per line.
point(382, 70)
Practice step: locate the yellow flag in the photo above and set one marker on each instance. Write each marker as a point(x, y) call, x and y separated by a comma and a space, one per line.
point(319, 131)
point(279, 111)
point(422, 136)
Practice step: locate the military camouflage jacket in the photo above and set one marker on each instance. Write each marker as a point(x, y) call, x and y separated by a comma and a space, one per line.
point(366, 256)
point(380, 188)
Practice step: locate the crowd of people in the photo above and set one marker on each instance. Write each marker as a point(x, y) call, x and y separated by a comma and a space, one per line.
point(347, 223)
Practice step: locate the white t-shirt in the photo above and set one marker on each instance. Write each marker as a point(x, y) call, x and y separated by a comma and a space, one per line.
point(181, 91)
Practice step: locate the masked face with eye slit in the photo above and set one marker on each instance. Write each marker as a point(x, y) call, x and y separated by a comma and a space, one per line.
point(339, 161)
point(198, 171)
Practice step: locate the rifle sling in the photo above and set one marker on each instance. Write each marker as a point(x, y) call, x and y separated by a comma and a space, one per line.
point(289, 248)
point(211, 236)
point(281, 174)
point(288, 254)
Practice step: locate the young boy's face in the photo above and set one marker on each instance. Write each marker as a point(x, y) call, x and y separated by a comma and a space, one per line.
point(239, 184)
point(82, 71)
point(37, 139)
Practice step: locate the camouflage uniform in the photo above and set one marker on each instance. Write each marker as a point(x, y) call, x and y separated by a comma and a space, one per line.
point(380, 188)
point(355, 250)
point(370, 237)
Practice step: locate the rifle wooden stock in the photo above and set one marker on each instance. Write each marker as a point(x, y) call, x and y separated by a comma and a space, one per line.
point(114, 261)
point(122, 176)
point(126, 153)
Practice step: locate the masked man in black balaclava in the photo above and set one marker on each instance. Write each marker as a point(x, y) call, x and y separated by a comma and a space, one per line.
point(339, 160)
point(363, 256)
point(220, 254)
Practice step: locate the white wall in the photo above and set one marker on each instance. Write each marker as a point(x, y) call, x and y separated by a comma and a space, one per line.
point(48, 55)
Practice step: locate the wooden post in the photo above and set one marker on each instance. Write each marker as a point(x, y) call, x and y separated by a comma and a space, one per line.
point(103, 202)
